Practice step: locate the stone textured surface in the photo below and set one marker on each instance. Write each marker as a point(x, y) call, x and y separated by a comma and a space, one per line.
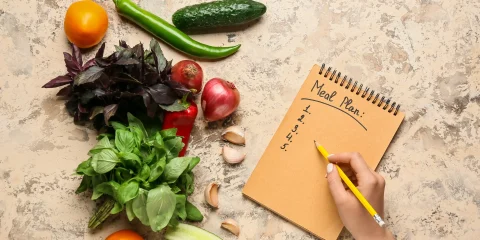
point(424, 54)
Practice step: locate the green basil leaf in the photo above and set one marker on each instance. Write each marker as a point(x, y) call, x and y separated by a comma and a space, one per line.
point(173, 221)
point(104, 143)
point(110, 188)
point(84, 185)
point(144, 173)
point(175, 168)
point(116, 208)
point(118, 126)
point(193, 163)
point(168, 133)
point(147, 185)
point(139, 207)
point(136, 126)
point(98, 179)
point(160, 207)
point(124, 141)
point(122, 174)
point(158, 141)
point(127, 191)
point(102, 135)
point(130, 160)
point(104, 161)
point(149, 158)
point(129, 210)
point(85, 168)
point(173, 147)
point(175, 189)
point(156, 169)
point(176, 106)
point(193, 214)
point(189, 186)
point(160, 153)
point(180, 206)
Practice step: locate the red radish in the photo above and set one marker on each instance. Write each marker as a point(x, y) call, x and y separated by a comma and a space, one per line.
point(220, 98)
point(188, 73)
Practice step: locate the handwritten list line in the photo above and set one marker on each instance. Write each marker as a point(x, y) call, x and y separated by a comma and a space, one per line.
point(313, 100)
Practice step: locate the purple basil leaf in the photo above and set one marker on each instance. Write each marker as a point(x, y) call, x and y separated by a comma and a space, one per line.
point(155, 47)
point(71, 64)
point(123, 44)
point(148, 57)
point(105, 62)
point(65, 92)
point(146, 99)
point(138, 50)
point(89, 63)
point(125, 77)
point(125, 53)
point(127, 61)
point(96, 110)
point(79, 118)
point(168, 67)
point(151, 68)
point(152, 109)
point(179, 89)
point(81, 108)
point(156, 62)
point(58, 81)
point(71, 106)
point(98, 92)
point(77, 54)
point(151, 78)
point(142, 66)
point(86, 97)
point(162, 94)
point(109, 111)
point(100, 51)
point(127, 95)
point(89, 75)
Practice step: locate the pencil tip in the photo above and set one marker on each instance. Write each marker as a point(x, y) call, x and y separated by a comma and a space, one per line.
point(316, 144)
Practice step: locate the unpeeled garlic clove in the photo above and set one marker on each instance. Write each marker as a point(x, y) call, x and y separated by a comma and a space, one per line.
point(235, 135)
point(232, 226)
point(211, 194)
point(232, 156)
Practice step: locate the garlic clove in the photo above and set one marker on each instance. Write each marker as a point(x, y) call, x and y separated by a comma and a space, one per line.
point(232, 226)
point(235, 135)
point(232, 156)
point(211, 194)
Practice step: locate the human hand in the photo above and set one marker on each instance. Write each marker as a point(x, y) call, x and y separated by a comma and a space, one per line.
point(354, 216)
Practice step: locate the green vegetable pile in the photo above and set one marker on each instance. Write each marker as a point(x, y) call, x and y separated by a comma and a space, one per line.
point(142, 174)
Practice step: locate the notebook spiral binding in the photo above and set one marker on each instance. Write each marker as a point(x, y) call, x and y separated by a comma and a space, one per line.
point(366, 91)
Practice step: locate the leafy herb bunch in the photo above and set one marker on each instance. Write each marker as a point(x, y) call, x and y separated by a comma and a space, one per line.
point(142, 174)
point(129, 80)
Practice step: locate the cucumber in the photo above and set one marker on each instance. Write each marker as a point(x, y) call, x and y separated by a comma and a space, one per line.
point(217, 14)
point(189, 232)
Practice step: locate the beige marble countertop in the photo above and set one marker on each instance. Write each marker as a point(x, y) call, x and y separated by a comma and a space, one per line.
point(425, 54)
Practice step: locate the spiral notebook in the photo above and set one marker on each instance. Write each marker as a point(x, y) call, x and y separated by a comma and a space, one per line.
point(341, 114)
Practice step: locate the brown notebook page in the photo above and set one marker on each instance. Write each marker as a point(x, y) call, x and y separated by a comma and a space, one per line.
point(289, 179)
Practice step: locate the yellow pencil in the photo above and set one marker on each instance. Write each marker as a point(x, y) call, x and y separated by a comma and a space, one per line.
point(352, 187)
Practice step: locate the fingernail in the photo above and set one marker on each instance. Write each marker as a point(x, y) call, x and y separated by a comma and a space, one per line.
point(329, 168)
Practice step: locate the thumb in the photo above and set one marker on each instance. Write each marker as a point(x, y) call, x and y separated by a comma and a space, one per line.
point(335, 184)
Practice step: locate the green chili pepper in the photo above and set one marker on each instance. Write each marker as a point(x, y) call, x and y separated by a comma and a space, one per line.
point(168, 33)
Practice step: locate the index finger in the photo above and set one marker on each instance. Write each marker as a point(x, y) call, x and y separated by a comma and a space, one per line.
point(355, 160)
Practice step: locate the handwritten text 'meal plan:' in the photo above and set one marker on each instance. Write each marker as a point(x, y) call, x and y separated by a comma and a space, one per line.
point(347, 103)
